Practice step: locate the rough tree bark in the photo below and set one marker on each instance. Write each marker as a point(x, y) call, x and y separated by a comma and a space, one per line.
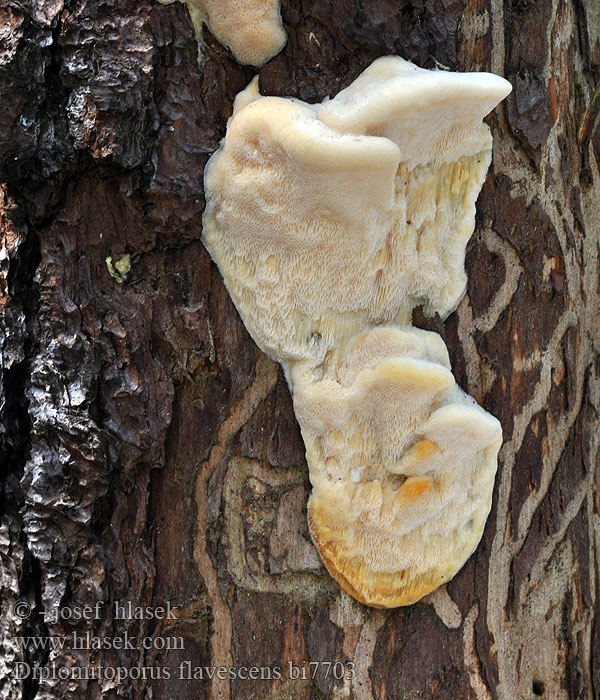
point(149, 451)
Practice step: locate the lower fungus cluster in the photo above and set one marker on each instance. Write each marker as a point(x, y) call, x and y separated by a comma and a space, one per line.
point(330, 223)
point(402, 464)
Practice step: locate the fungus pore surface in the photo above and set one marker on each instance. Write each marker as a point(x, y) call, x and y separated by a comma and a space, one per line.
point(252, 29)
point(330, 223)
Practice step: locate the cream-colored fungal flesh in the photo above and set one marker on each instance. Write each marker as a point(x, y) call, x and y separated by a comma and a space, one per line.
point(401, 460)
point(330, 223)
point(252, 29)
point(327, 218)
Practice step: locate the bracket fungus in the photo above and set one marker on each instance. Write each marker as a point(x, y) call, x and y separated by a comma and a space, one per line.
point(330, 223)
point(251, 29)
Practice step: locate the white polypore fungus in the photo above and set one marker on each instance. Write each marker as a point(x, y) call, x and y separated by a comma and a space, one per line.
point(330, 223)
point(252, 29)
point(401, 460)
point(325, 219)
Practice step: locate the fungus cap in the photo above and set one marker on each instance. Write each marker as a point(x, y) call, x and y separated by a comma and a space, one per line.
point(325, 219)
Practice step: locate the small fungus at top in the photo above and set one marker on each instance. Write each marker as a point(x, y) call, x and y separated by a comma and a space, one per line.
point(252, 29)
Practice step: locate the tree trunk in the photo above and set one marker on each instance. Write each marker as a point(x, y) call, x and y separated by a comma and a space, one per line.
point(149, 450)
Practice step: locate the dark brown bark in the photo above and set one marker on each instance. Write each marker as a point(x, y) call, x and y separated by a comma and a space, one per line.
point(149, 451)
